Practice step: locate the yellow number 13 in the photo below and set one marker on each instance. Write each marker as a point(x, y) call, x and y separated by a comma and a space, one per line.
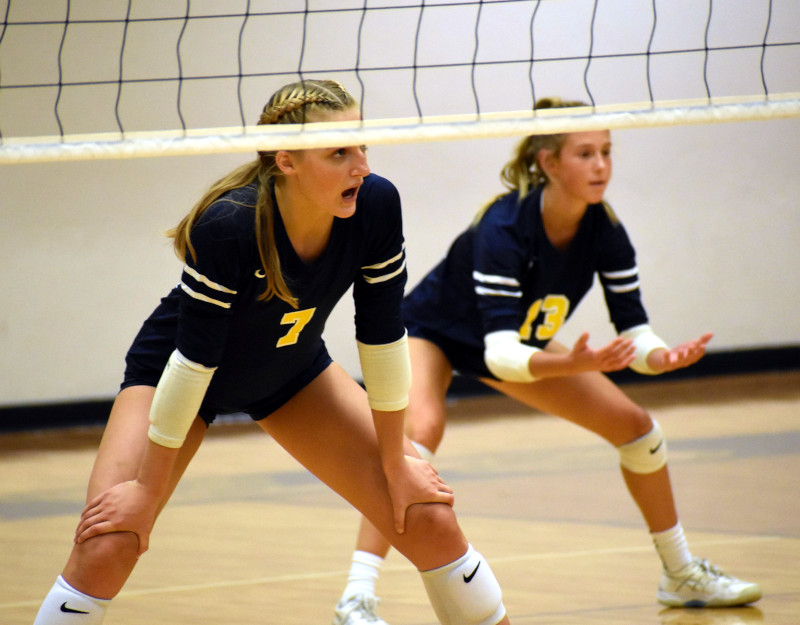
point(555, 309)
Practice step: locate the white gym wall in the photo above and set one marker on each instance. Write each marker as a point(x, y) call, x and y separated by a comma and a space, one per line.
point(712, 209)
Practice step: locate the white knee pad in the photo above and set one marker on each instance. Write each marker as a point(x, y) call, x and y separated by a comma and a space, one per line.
point(646, 454)
point(465, 592)
point(64, 605)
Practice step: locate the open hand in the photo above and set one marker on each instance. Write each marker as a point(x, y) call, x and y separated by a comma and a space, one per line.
point(683, 355)
point(617, 355)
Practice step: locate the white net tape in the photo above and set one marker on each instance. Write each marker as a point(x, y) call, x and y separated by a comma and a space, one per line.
point(376, 132)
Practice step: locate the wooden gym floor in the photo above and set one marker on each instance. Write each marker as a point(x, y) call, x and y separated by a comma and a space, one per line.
point(250, 537)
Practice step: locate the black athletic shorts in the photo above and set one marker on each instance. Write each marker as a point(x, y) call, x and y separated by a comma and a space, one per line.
point(464, 359)
point(140, 376)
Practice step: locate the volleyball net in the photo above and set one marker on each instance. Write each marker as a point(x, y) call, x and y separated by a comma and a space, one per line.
point(95, 79)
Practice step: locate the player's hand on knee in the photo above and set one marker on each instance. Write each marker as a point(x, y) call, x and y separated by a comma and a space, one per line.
point(419, 482)
point(126, 507)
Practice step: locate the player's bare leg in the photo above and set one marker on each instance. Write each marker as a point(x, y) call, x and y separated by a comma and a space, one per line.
point(592, 401)
point(432, 539)
point(98, 568)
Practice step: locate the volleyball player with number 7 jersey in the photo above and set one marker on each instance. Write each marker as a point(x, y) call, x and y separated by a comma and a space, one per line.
point(268, 252)
point(491, 309)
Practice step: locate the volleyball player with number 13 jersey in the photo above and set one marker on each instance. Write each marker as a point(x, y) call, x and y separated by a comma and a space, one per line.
point(491, 309)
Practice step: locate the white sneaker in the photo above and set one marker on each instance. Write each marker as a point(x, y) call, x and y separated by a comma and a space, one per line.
point(701, 584)
point(357, 610)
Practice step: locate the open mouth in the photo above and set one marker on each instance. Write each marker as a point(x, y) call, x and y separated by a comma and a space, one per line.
point(350, 193)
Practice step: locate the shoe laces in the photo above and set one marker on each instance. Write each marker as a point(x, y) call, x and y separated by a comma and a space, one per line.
point(365, 605)
point(703, 574)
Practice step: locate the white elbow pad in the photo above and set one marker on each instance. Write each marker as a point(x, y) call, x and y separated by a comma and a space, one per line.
point(387, 374)
point(179, 393)
point(507, 358)
point(644, 341)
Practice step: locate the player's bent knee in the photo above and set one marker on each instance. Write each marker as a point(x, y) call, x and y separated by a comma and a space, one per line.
point(120, 550)
point(465, 592)
point(646, 454)
point(428, 431)
point(432, 518)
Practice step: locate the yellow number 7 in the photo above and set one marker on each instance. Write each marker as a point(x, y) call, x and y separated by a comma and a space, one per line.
point(298, 319)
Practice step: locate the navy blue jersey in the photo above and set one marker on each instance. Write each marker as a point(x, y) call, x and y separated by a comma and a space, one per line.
point(504, 274)
point(266, 351)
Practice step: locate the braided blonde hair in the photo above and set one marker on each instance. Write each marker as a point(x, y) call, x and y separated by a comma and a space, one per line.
point(295, 103)
point(306, 99)
point(522, 172)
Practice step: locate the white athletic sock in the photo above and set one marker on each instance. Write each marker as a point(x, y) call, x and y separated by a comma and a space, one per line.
point(424, 452)
point(64, 605)
point(672, 548)
point(363, 574)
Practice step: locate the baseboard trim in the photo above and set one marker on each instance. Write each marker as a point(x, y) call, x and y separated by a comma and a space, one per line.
point(736, 362)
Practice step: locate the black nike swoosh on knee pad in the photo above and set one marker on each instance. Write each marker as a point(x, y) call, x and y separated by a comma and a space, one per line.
point(468, 578)
point(65, 608)
point(657, 447)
